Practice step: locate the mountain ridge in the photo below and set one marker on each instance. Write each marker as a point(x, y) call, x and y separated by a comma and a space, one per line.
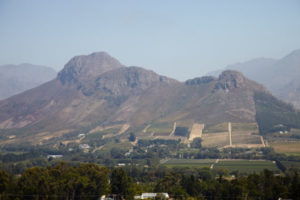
point(280, 76)
point(117, 94)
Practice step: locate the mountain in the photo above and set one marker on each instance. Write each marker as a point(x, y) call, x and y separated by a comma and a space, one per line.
point(97, 91)
point(285, 80)
point(15, 79)
point(281, 76)
point(90, 89)
point(249, 68)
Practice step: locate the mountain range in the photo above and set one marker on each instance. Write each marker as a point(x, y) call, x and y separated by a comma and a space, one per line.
point(15, 79)
point(97, 90)
point(281, 77)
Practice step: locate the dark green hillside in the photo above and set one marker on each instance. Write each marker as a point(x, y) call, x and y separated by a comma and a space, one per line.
point(274, 115)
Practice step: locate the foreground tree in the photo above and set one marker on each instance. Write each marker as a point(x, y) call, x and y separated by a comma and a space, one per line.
point(34, 181)
point(121, 184)
point(98, 179)
point(4, 181)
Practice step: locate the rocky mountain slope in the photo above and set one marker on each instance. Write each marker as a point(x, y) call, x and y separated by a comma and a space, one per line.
point(15, 79)
point(281, 76)
point(90, 89)
point(96, 90)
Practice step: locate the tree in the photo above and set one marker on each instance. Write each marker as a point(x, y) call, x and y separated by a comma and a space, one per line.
point(221, 173)
point(34, 181)
point(191, 185)
point(197, 143)
point(121, 184)
point(171, 183)
point(98, 179)
point(117, 153)
point(295, 185)
point(3, 181)
point(132, 137)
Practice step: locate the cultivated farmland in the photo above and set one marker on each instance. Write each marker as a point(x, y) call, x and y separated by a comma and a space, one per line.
point(247, 166)
point(242, 135)
point(196, 131)
point(243, 166)
point(287, 147)
point(219, 139)
point(160, 128)
point(198, 163)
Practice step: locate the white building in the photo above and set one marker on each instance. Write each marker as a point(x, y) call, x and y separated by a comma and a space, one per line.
point(54, 156)
point(84, 146)
point(81, 135)
point(151, 195)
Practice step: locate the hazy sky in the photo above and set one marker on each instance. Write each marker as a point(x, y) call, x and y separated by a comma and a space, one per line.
point(181, 39)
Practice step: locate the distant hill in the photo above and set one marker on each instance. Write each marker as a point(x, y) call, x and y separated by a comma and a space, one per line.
point(15, 79)
point(96, 90)
point(281, 77)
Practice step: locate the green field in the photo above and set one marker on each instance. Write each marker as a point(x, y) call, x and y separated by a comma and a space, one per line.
point(223, 127)
point(198, 163)
point(243, 166)
point(291, 164)
point(215, 128)
point(246, 166)
point(245, 127)
point(161, 128)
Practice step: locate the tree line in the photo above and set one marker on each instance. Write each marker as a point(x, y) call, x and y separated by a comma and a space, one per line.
point(90, 181)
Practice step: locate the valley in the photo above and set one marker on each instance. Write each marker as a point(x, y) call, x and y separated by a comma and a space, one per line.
point(99, 111)
point(139, 102)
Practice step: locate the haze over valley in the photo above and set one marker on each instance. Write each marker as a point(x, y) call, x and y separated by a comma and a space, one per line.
point(141, 100)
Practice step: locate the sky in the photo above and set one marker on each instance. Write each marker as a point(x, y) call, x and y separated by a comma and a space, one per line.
point(180, 39)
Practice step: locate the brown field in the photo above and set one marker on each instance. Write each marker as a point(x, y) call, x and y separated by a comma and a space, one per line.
point(241, 135)
point(287, 147)
point(123, 129)
point(295, 130)
point(251, 127)
point(196, 131)
point(220, 139)
point(161, 134)
point(245, 137)
point(223, 127)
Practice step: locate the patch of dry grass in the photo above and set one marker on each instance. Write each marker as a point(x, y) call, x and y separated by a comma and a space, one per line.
point(288, 147)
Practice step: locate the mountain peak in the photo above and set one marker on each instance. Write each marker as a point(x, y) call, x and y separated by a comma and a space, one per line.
point(88, 67)
point(230, 79)
point(230, 74)
point(291, 60)
point(295, 53)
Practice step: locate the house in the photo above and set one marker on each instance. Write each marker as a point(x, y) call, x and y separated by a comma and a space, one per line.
point(81, 135)
point(54, 156)
point(84, 146)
